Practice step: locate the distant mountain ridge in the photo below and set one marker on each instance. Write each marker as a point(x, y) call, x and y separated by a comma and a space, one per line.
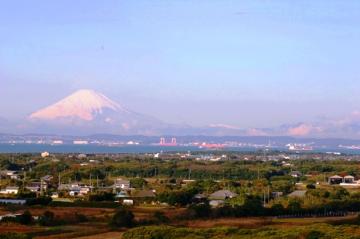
point(87, 112)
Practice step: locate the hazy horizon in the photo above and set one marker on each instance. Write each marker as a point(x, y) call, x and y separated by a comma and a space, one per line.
point(247, 64)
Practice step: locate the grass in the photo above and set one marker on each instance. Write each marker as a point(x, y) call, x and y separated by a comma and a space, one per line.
point(315, 231)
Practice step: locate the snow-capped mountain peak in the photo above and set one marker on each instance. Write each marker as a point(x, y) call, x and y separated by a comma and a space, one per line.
point(83, 104)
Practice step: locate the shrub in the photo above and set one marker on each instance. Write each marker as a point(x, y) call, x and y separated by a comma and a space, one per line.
point(122, 218)
point(160, 217)
point(105, 196)
point(81, 217)
point(310, 186)
point(39, 201)
point(47, 219)
point(26, 218)
point(201, 210)
point(138, 182)
point(12, 235)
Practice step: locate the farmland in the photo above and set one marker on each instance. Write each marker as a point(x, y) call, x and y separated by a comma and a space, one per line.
point(245, 195)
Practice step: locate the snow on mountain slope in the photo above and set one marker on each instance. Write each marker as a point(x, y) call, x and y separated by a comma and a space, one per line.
point(83, 104)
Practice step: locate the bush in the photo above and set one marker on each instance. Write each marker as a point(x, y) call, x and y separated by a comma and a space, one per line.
point(12, 235)
point(122, 218)
point(160, 217)
point(85, 204)
point(177, 198)
point(26, 218)
point(39, 201)
point(315, 235)
point(138, 182)
point(102, 197)
point(47, 219)
point(201, 210)
point(81, 217)
point(311, 186)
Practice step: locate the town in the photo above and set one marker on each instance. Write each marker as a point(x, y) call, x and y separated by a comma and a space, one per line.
point(111, 192)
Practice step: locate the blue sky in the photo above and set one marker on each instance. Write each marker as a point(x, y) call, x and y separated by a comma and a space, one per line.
point(252, 63)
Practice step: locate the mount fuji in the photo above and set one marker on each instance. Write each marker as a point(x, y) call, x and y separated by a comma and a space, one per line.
point(90, 112)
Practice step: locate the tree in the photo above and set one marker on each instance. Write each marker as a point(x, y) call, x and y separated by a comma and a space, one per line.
point(122, 218)
point(277, 209)
point(47, 219)
point(294, 206)
point(284, 186)
point(105, 196)
point(160, 217)
point(138, 182)
point(26, 218)
point(310, 186)
point(202, 210)
point(339, 193)
point(180, 197)
point(252, 206)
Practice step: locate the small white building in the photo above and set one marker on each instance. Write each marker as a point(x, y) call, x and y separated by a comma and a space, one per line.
point(10, 174)
point(216, 203)
point(295, 174)
point(80, 142)
point(121, 184)
point(79, 191)
point(10, 190)
point(45, 154)
point(128, 202)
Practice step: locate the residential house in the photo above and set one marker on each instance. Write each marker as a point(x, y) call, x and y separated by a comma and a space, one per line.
point(216, 203)
point(37, 186)
point(349, 179)
point(277, 194)
point(10, 174)
point(198, 198)
point(128, 202)
point(121, 184)
point(297, 194)
point(336, 179)
point(10, 190)
point(144, 194)
point(222, 195)
point(47, 178)
point(122, 194)
point(75, 189)
point(295, 174)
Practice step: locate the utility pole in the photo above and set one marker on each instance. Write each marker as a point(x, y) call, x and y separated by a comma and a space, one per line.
point(264, 198)
point(59, 179)
point(90, 183)
point(24, 180)
point(41, 187)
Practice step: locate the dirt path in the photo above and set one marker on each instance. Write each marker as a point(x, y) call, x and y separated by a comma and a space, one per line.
point(108, 235)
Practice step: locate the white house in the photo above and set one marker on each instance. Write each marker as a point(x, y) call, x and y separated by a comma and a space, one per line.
point(121, 184)
point(10, 190)
point(79, 190)
point(10, 174)
point(222, 195)
point(128, 202)
point(45, 154)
